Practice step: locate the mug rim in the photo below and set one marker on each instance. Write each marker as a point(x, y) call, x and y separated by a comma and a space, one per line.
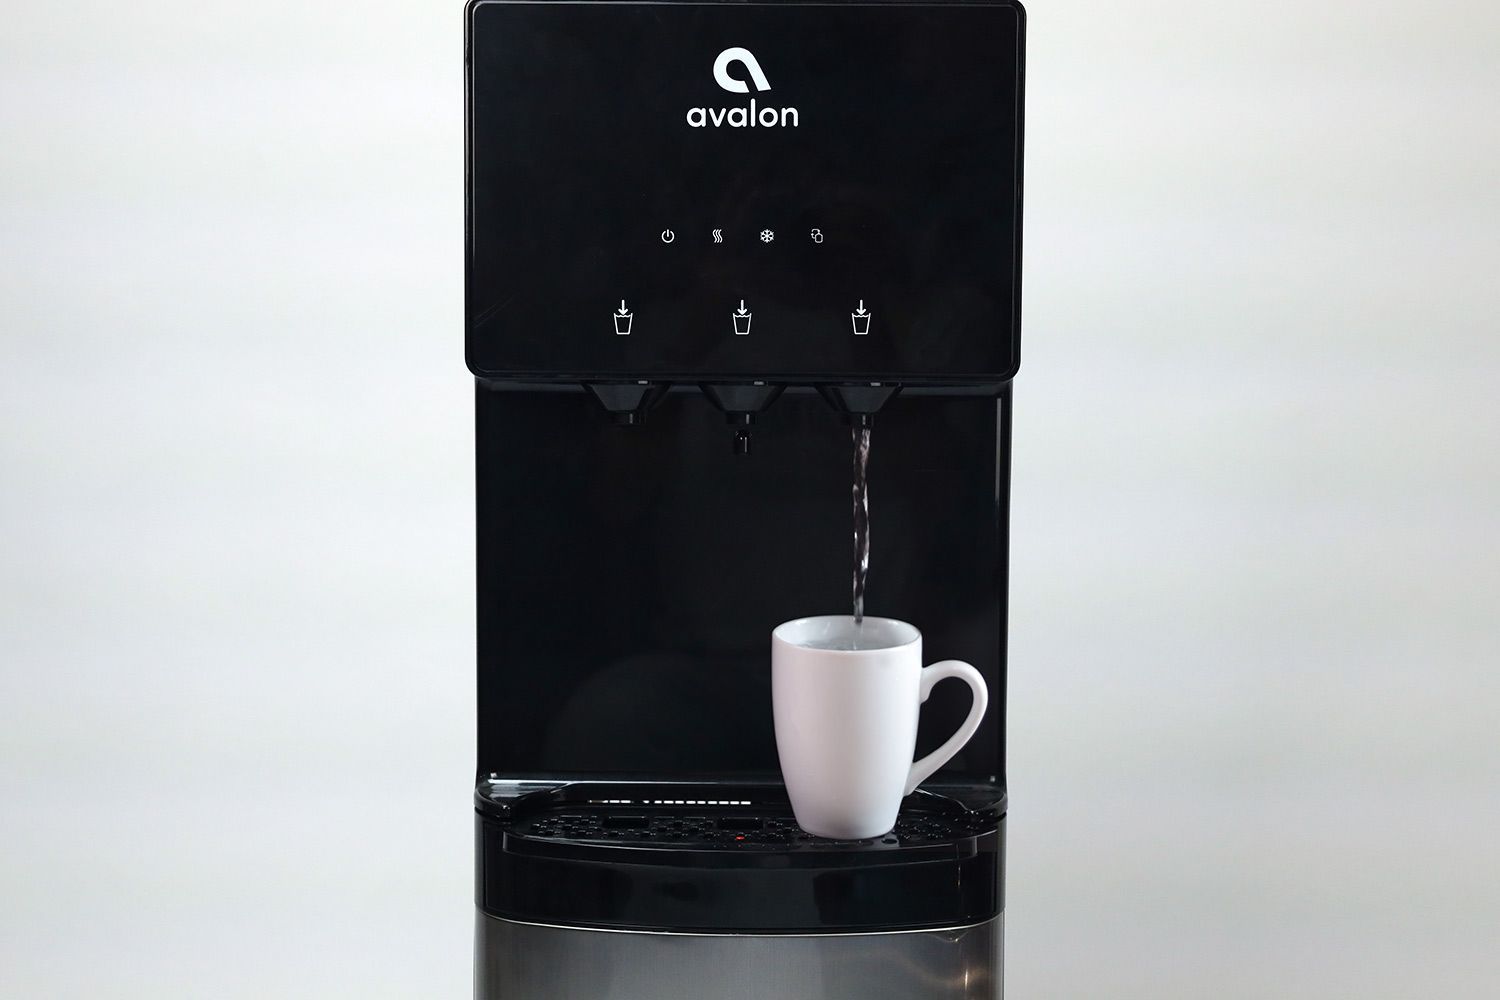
point(779, 633)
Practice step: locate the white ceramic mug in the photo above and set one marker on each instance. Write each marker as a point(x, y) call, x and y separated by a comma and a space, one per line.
point(846, 700)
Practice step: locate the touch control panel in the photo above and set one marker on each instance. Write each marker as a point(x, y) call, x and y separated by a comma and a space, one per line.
point(769, 190)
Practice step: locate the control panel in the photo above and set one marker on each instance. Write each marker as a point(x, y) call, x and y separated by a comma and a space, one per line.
point(781, 191)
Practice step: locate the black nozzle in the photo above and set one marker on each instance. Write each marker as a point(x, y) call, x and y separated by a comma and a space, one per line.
point(858, 404)
point(627, 402)
point(740, 403)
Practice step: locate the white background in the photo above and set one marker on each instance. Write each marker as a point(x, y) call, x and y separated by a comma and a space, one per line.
point(1255, 668)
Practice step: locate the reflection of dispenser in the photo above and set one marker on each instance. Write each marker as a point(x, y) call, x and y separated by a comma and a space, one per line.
point(634, 838)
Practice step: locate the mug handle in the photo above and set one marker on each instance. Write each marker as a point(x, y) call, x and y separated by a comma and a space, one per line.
point(941, 671)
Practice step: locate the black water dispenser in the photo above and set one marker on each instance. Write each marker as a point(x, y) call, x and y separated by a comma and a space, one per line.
point(703, 239)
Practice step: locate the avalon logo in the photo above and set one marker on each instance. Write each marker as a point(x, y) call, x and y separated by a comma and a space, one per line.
point(741, 117)
point(752, 66)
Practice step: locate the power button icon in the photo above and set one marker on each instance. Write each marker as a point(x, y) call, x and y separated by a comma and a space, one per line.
point(667, 236)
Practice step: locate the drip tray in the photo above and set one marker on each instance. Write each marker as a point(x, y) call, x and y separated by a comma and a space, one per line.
point(729, 858)
point(716, 818)
point(690, 830)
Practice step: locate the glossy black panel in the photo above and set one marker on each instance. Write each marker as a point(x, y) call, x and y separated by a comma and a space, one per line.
point(871, 231)
point(629, 577)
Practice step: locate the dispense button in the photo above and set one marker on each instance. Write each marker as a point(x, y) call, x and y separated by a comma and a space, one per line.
point(623, 318)
point(861, 319)
point(741, 318)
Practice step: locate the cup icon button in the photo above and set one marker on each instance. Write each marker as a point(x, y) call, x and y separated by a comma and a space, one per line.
point(860, 318)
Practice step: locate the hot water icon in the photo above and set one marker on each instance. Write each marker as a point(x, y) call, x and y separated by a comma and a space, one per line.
point(623, 319)
point(741, 320)
point(861, 319)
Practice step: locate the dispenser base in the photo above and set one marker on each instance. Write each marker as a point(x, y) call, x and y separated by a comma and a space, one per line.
point(520, 961)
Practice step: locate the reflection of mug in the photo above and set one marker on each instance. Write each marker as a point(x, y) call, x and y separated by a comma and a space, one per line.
point(846, 699)
point(741, 323)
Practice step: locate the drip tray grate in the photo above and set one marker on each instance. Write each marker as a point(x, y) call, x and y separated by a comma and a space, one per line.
point(694, 827)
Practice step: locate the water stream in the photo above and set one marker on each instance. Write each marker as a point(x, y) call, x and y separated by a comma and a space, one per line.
point(861, 519)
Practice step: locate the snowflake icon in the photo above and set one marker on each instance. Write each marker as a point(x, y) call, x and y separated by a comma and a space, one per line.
point(766, 236)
